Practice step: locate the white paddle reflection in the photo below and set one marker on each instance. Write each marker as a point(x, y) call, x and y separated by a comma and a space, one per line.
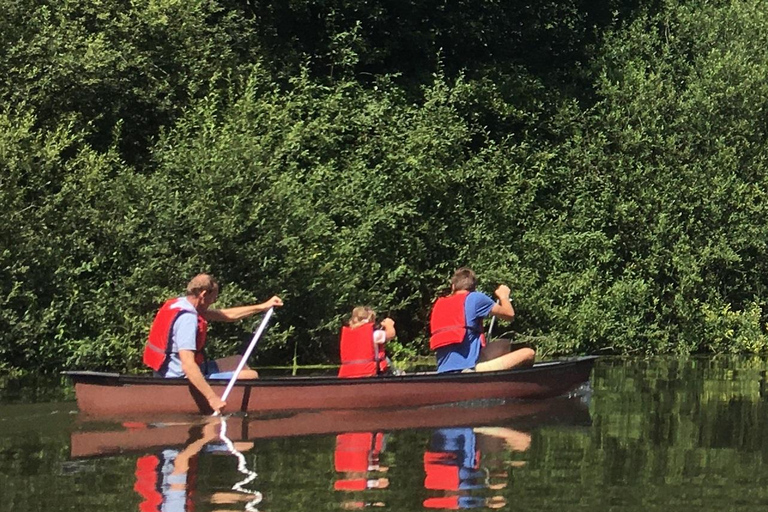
point(242, 467)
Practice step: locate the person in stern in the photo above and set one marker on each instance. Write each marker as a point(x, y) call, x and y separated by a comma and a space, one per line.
point(456, 327)
point(176, 340)
point(362, 344)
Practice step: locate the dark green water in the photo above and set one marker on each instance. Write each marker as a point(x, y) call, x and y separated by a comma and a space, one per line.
point(658, 434)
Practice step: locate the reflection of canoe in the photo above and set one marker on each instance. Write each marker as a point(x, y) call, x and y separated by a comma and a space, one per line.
point(97, 439)
point(110, 394)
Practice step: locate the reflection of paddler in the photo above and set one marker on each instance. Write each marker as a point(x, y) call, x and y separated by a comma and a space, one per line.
point(166, 480)
point(357, 455)
point(452, 465)
point(453, 462)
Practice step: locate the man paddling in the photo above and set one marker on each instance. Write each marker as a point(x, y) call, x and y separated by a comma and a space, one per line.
point(456, 326)
point(177, 337)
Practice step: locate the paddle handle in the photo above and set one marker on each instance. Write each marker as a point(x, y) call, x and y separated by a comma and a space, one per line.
point(247, 353)
point(493, 319)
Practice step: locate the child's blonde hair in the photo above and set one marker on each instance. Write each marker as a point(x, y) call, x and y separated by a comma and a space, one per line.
point(361, 315)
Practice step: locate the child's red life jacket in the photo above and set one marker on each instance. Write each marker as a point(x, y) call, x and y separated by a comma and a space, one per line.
point(158, 347)
point(448, 323)
point(360, 356)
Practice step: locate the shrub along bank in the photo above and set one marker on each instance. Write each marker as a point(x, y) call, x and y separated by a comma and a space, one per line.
point(607, 163)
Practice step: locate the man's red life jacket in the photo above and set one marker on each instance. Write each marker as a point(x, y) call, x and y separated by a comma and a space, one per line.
point(360, 356)
point(448, 323)
point(158, 345)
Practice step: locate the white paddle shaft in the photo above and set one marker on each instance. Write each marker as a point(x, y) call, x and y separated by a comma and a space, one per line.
point(247, 353)
point(493, 319)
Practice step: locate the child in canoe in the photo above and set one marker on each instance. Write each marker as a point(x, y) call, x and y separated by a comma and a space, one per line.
point(362, 344)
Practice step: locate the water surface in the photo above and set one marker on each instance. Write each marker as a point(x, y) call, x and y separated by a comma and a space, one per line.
point(654, 434)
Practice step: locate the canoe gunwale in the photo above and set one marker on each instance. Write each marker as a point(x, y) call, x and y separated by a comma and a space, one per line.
point(117, 379)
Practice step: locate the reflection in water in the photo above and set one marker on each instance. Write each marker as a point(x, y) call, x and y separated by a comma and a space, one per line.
point(460, 456)
point(453, 465)
point(242, 467)
point(166, 480)
point(357, 458)
point(461, 467)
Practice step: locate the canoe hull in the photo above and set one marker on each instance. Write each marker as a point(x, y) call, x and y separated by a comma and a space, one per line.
point(115, 395)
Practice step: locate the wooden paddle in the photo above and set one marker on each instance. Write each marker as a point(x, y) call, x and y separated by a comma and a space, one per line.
point(247, 354)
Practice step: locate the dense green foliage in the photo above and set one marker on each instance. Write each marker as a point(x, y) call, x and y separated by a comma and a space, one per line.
point(607, 163)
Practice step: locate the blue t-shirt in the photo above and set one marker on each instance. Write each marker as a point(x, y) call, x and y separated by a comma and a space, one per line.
point(464, 355)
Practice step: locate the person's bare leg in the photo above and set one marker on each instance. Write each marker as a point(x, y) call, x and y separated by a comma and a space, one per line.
point(516, 440)
point(229, 364)
point(517, 359)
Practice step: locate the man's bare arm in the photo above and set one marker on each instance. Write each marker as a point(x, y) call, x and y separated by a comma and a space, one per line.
point(503, 309)
point(239, 312)
point(196, 378)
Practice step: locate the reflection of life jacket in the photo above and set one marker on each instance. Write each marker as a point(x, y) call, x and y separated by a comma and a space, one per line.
point(357, 452)
point(448, 323)
point(360, 356)
point(443, 502)
point(151, 474)
point(351, 484)
point(147, 483)
point(158, 345)
point(442, 471)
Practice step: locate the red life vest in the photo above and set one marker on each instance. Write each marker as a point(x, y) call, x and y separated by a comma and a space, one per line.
point(360, 356)
point(158, 347)
point(448, 323)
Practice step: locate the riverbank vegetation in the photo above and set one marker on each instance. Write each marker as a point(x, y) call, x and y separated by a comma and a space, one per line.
point(606, 162)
